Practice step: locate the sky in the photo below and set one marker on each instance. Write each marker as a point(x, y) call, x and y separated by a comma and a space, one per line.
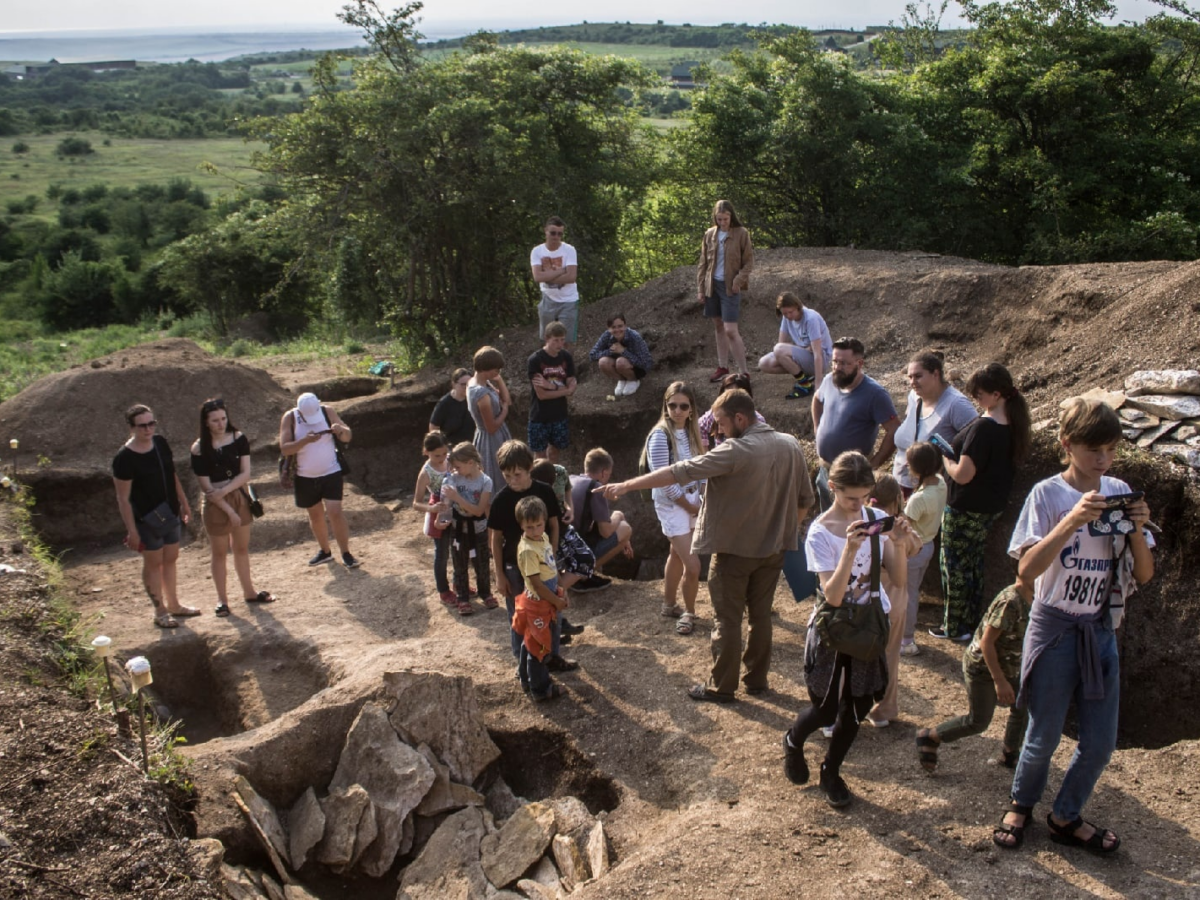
point(441, 18)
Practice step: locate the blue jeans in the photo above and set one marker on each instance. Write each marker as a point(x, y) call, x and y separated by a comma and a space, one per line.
point(441, 556)
point(1054, 682)
point(534, 675)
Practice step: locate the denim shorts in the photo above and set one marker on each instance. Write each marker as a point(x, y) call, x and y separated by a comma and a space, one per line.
point(155, 537)
point(721, 303)
point(543, 434)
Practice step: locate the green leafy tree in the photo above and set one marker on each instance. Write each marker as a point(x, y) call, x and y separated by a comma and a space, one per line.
point(443, 172)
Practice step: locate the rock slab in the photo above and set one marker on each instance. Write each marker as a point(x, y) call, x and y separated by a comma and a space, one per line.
point(1167, 406)
point(449, 864)
point(306, 826)
point(508, 853)
point(1163, 381)
point(442, 711)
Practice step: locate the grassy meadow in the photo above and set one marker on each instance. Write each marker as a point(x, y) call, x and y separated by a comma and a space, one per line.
point(215, 165)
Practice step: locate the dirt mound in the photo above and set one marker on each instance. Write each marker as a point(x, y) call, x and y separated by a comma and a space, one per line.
point(76, 418)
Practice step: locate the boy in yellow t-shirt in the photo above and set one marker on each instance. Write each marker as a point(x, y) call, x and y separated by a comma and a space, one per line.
point(535, 560)
point(924, 511)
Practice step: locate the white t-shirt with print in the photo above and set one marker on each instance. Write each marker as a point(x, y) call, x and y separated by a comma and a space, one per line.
point(555, 261)
point(1076, 581)
point(823, 551)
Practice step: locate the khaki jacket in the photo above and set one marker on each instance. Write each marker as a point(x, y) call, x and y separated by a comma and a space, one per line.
point(757, 485)
point(739, 260)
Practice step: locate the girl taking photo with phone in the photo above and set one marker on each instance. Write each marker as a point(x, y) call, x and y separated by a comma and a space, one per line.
point(842, 689)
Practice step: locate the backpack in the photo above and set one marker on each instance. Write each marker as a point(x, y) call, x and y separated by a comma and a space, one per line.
point(644, 459)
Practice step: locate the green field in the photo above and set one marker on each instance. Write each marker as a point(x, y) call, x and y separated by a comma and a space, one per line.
point(127, 162)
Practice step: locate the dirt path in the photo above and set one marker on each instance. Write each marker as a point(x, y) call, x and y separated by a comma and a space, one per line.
point(704, 810)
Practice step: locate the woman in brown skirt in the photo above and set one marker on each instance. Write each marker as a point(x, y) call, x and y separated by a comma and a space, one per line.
point(221, 463)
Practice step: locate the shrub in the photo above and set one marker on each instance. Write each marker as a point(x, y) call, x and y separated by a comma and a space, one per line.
point(20, 147)
point(74, 146)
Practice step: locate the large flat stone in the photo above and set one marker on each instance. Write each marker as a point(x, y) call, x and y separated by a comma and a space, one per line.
point(344, 810)
point(572, 867)
point(445, 795)
point(1163, 381)
point(306, 826)
point(1166, 406)
point(442, 711)
point(394, 775)
point(449, 864)
point(508, 853)
point(596, 850)
point(1115, 399)
point(266, 817)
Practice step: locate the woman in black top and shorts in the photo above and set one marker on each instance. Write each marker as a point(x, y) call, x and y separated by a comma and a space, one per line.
point(154, 510)
point(221, 463)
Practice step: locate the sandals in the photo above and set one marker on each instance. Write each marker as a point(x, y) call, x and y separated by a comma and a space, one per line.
point(261, 597)
point(166, 620)
point(464, 608)
point(686, 623)
point(490, 602)
point(671, 612)
point(927, 750)
point(1016, 832)
point(185, 612)
point(1065, 834)
point(222, 610)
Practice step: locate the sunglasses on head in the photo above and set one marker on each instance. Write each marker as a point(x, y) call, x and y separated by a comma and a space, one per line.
point(682, 407)
point(213, 405)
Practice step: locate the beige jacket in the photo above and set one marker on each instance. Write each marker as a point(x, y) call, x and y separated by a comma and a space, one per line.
point(739, 260)
point(757, 485)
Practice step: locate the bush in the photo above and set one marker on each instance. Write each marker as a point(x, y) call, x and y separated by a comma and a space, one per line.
point(73, 146)
point(20, 147)
point(355, 347)
point(241, 347)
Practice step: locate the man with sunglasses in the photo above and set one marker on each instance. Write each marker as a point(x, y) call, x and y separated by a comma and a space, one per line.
point(757, 493)
point(554, 266)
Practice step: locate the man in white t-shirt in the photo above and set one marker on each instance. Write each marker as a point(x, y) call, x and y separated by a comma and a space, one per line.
point(554, 266)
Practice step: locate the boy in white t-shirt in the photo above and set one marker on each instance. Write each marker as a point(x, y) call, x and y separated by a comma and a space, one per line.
point(555, 266)
point(805, 348)
point(1082, 536)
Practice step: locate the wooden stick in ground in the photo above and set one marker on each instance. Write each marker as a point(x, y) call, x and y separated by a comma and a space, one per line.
point(262, 836)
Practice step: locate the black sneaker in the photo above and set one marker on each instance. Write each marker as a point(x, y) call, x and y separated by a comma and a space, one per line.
point(568, 629)
point(349, 561)
point(794, 766)
point(564, 640)
point(834, 788)
point(559, 664)
point(322, 557)
point(595, 583)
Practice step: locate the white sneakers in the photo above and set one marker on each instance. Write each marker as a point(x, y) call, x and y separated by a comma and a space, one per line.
point(626, 388)
point(619, 390)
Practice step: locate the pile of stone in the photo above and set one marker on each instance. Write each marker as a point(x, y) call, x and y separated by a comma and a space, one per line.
point(1160, 412)
point(403, 786)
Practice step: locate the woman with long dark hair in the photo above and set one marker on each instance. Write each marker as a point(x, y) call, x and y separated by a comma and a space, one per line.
point(221, 464)
point(154, 509)
point(981, 470)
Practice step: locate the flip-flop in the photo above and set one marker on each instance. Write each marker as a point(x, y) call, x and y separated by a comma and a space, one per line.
point(261, 597)
point(185, 612)
point(166, 620)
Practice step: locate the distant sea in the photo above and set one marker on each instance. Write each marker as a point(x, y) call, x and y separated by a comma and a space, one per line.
point(178, 45)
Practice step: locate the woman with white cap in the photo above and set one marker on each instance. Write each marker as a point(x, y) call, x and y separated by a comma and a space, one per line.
point(309, 432)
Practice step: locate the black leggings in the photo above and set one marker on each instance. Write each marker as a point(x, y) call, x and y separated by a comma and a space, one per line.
point(841, 711)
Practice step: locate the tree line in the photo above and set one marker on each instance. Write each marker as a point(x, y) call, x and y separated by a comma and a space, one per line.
point(1044, 134)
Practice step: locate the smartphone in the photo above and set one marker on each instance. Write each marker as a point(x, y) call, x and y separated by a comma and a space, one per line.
point(943, 445)
point(1120, 501)
point(879, 526)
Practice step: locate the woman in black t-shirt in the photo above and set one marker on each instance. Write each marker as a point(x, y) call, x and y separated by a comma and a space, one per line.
point(451, 416)
point(981, 478)
point(154, 510)
point(221, 463)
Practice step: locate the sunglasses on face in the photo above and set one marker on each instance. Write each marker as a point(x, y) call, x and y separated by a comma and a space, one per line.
point(682, 407)
point(149, 424)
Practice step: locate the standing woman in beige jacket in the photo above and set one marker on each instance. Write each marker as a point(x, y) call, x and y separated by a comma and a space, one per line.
point(726, 259)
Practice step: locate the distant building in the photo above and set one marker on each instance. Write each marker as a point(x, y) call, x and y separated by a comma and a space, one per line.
point(681, 75)
point(36, 71)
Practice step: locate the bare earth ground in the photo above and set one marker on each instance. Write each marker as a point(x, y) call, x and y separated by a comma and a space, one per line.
point(704, 810)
